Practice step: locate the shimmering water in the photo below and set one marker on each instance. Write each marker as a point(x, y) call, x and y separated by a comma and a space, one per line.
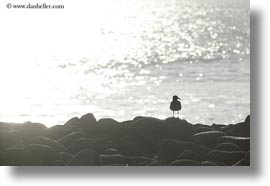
point(124, 58)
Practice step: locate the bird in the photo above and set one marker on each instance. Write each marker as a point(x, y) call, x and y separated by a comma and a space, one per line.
point(175, 105)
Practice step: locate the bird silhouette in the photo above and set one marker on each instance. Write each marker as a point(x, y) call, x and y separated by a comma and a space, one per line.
point(175, 105)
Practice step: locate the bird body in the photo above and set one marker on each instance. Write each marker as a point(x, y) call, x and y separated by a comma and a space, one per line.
point(175, 105)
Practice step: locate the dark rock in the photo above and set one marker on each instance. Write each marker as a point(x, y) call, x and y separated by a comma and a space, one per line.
point(73, 122)
point(59, 131)
point(43, 152)
point(127, 123)
point(70, 138)
point(218, 127)
point(171, 149)
point(28, 130)
point(133, 143)
point(228, 147)
point(87, 123)
point(85, 157)
point(242, 142)
point(89, 119)
point(190, 155)
point(64, 156)
point(111, 151)
point(114, 159)
point(208, 163)
point(6, 126)
point(184, 163)
point(139, 161)
point(204, 129)
point(102, 144)
point(208, 139)
point(247, 120)
point(247, 155)
point(8, 139)
point(240, 129)
point(80, 144)
point(228, 158)
point(220, 164)
point(156, 163)
point(242, 162)
point(49, 142)
point(58, 163)
point(179, 129)
point(19, 157)
point(111, 127)
point(107, 121)
point(150, 126)
point(150, 130)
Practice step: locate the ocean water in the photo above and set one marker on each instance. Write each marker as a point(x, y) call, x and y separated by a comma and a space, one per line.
point(125, 58)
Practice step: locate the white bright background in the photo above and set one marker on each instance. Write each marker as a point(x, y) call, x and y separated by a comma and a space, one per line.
point(33, 176)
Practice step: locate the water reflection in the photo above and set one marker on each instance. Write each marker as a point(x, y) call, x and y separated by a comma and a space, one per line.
point(144, 53)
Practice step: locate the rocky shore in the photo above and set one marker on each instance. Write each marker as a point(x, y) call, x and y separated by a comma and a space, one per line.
point(143, 141)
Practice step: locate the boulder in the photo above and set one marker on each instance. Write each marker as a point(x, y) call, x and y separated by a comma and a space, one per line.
point(150, 126)
point(133, 143)
point(58, 131)
point(6, 126)
point(171, 149)
point(204, 129)
point(114, 159)
point(111, 127)
point(190, 155)
point(178, 129)
point(218, 127)
point(148, 132)
point(87, 123)
point(8, 139)
point(139, 161)
point(28, 130)
point(88, 119)
point(111, 151)
point(72, 122)
point(15, 156)
point(85, 157)
point(242, 162)
point(102, 144)
point(70, 138)
point(49, 142)
point(227, 147)
point(80, 144)
point(43, 152)
point(240, 129)
point(228, 158)
point(156, 163)
point(64, 156)
point(247, 120)
point(184, 163)
point(208, 163)
point(208, 139)
point(58, 163)
point(247, 156)
point(242, 142)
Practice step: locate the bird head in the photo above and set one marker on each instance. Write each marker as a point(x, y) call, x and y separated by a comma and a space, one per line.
point(175, 97)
